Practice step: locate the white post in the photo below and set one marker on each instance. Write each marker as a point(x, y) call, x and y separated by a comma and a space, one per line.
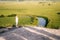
point(16, 21)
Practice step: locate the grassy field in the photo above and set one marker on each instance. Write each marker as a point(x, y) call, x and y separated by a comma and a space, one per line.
point(47, 9)
point(7, 21)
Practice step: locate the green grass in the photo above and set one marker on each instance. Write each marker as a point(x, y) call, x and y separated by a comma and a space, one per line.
point(24, 20)
point(32, 8)
point(7, 21)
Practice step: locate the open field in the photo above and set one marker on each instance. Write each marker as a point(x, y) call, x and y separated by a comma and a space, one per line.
point(47, 9)
point(7, 21)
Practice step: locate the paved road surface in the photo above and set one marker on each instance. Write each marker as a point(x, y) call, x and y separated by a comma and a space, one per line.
point(31, 33)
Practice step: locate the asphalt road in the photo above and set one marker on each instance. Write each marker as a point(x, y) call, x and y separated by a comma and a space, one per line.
point(31, 33)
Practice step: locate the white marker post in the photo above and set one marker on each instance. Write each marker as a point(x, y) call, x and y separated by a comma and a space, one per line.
point(16, 21)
